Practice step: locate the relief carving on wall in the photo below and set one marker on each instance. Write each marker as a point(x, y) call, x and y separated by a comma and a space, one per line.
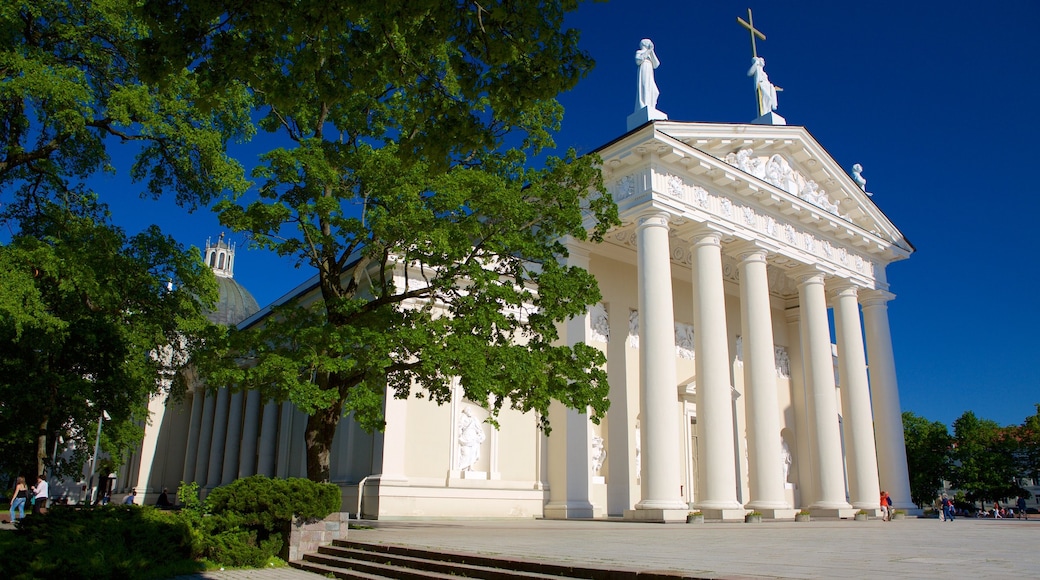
point(599, 323)
point(633, 329)
point(783, 362)
point(684, 348)
point(776, 170)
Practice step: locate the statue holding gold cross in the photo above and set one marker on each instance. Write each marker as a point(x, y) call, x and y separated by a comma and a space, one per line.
point(765, 91)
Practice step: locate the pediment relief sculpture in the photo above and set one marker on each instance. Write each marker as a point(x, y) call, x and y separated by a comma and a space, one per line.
point(777, 170)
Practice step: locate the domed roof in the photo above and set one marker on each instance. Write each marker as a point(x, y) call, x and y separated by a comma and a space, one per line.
point(235, 303)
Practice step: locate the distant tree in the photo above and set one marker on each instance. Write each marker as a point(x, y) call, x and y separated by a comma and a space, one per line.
point(984, 465)
point(81, 303)
point(928, 451)
point(1027, 454)
point(95, 313)
point(406, 128)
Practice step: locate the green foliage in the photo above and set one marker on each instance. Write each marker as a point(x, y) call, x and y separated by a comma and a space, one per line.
point(249, 520)
point(81, 303)
point(104, 542)
point(406, 130)
point(96, 332)
point(928, 456)
point(983, 466)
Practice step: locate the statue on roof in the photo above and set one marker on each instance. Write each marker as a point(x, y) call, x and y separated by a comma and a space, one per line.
point(857, 176)
point(646, 60)
point(767, 98)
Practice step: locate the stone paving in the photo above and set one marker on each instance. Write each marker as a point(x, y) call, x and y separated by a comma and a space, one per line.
point(911, 548)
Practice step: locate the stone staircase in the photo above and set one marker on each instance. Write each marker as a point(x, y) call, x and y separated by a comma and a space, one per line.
point(365, 561)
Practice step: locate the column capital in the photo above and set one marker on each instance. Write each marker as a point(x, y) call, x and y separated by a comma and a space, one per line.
point(808, 274)
point(873, 298)
point(654, 218)
point(748, 250)
point(705, 234)
point(844, 287)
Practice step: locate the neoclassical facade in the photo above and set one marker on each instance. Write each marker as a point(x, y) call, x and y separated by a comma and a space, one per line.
point(741, 244)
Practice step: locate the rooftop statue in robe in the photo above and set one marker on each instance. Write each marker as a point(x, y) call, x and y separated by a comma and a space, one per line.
point(646, 60)
point(767, 98)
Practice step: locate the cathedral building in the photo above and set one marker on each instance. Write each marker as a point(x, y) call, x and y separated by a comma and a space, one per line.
point(741, 244)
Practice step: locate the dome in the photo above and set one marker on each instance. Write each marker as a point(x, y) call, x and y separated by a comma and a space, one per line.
point(234, 305)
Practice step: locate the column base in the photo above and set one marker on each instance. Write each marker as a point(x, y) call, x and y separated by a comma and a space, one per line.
point(762, 506)
point(841, 513)
point(726, 514)
point(777, 513)
point(656, 515)
point(568, 511)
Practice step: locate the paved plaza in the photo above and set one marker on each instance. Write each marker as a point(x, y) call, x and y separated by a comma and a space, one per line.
point(912, 548)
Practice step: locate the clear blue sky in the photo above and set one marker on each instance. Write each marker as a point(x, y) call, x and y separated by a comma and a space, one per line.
point(939, 103)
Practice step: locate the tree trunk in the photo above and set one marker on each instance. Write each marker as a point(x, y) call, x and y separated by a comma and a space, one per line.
point(321, 428)
point(41, 447)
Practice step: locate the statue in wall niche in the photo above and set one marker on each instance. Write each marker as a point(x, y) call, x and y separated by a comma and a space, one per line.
point(600, 323)
point(684, 341)
point(633, 329)
point(785, 456)
point(783, 362)
point(646, 60)
point(767, 100)
point(599, 454)
point(471, 436)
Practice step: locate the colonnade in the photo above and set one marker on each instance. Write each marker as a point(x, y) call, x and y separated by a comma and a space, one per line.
point(870, 408)
point(231, 435)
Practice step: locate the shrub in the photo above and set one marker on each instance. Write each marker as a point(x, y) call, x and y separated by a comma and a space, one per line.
point(103, 542)
point(249, 519)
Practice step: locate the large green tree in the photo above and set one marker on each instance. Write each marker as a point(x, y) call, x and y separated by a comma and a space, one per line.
point(403, 180)
point(97, 331)
point(1027, 437)
point(984, 465)
point(928, 449)
point(81, 303)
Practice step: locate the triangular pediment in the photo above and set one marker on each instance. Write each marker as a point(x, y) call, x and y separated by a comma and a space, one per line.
point(783, 168)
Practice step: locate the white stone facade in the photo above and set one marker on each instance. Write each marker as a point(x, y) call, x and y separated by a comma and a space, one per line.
point(737, 240)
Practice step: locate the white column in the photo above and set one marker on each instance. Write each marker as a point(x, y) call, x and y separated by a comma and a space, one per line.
point(717, 461)
point(247, 456)
point(216, 450)
point(265, 460)
point(569, 463)
point(661, 480)
point(233, 440)
point(888, 420)
point(823, 402)
point(765, 451)
point(194, 426)
point(860, 452)
point(205, 436)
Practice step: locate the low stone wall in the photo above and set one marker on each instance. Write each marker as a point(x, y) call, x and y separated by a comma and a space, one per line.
point(306, 535)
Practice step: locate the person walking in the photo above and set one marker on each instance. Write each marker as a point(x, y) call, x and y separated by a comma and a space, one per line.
point(21, 495)
point(947, 507)
point(1022, 513)
point(40, 494)
point(886, 512)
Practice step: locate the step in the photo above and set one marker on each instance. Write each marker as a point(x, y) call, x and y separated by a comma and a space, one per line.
point(527, 566)
point(430, 562)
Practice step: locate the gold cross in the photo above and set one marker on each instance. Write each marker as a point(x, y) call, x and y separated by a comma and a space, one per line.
point(750, 25)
